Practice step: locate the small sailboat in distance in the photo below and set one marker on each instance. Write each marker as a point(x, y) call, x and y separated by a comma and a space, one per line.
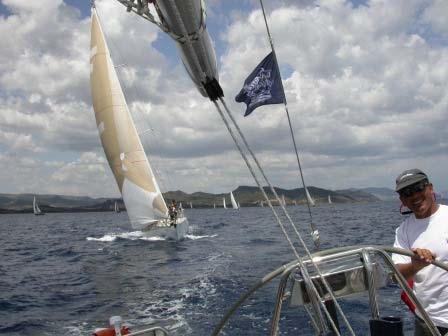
point(144, 202)
point(329, 200)
point(224, 203)
point(233, 201)
point(310, 199)
point(36, 209)
point(116, 207)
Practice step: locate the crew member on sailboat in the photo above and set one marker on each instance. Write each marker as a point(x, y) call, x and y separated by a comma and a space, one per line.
point(425, 233)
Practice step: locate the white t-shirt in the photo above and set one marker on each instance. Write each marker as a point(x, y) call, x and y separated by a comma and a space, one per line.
point(431, 282)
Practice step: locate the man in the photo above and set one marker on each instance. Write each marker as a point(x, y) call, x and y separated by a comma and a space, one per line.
point(425, 233)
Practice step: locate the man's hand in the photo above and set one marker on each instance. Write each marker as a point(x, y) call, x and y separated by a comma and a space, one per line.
point(421, 259)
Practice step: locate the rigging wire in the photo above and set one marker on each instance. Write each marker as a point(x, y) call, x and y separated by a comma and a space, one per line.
point(309, 284)
point(314, 231)
point(300, 239)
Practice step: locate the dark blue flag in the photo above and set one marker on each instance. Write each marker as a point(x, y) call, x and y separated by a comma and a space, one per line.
point(263, 86)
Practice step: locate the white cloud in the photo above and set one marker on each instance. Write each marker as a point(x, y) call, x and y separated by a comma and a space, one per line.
point(435, 15)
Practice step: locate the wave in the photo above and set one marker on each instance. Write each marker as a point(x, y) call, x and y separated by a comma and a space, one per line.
point(194, 237)
point(134, 235)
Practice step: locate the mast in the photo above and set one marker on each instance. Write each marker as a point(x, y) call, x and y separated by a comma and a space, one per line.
point(124, 152)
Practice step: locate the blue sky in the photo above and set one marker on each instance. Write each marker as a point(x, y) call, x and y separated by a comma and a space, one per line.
point(365, 83)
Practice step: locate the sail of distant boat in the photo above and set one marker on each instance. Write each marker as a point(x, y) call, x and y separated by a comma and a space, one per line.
point(329, 200)
point(233, 201)
point(224, 203)
point(144, 202)
point(283, 200)
point(116, 207)
point(310, 199)
point(36, 209)
point(191, 205)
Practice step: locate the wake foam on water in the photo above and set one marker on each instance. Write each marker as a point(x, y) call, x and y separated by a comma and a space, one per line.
point(194, 237)
point(134, 235)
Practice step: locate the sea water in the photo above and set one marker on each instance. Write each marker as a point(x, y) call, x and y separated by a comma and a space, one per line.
point(66, 274)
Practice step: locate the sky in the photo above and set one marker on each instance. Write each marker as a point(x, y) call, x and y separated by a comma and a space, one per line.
point(365, 83)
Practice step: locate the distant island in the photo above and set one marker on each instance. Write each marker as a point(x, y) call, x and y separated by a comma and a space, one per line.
point(247, 196)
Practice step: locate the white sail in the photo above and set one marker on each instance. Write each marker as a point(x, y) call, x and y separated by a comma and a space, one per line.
point(214, 205)
point(283, 200)
point(310, 199)
point(141, 194)
point(232, 200)
point(329, 200)
point(191, 205)
point(116, 207)
point(224, 203)
point(36, 209)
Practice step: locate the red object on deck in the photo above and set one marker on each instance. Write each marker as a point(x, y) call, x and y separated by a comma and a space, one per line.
point(111, 332)
point(405, 298)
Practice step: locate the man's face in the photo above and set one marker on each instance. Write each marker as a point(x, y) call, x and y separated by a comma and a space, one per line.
point(419, 199)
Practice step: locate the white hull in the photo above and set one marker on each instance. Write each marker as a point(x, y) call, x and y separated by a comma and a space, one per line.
point(165, 230)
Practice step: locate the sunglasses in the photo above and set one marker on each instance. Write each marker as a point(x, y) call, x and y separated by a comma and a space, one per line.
point(412, 189)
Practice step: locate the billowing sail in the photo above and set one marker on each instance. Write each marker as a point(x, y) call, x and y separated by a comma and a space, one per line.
point(232, 199)
point(310, 200)
point(124, 151)
point(224, 203)
point(184, 21)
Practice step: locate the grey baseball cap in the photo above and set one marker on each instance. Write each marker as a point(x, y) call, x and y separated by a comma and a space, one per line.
point(409, 177)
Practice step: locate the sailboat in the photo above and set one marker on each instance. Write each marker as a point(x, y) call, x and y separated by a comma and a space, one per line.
point(36, 209)
point(232, 200)
point(144, 202)
point(329, 200)
point(116, 207)
point(191, 205)
point(224, 203)
point(310, 199)
point(283, 200)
